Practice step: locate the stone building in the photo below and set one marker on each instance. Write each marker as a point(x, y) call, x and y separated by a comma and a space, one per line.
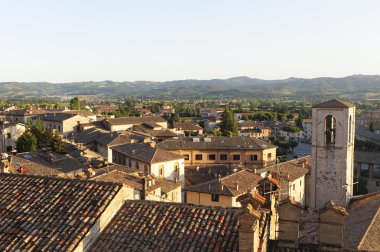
point(124, 123)
point(9, 134)
point(150, 160)
point(250, 152)
point(332, 153)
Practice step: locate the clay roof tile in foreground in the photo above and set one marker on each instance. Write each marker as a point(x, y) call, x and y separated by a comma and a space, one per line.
point(49, 214)
point(159, 226)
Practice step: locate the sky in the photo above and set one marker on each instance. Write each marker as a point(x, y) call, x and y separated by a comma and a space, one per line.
point(80, 40)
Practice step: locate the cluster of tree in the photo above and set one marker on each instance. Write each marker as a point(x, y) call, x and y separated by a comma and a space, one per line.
point(77, 103)
point(291, 129)
point(269, 116)
point(186, 111)
point(228, 126)
point(37, 137)
point(283, 145)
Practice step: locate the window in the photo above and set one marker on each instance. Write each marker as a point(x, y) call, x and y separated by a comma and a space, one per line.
point(294, 186)
point(198, 157)
point(59, 128)
point(376, 171)
point(377, 183)
point(269, 156)
point(223, 156)
point(330, 123)
point(211, 157)
point(300, 182)
point(253, 157)
point(161, 171)
point(146, 169)
point(186, 157)
point(215, 197)
point(236, 157)
point(9, 135)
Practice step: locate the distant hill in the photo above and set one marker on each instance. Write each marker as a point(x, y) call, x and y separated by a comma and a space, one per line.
point(355, 86)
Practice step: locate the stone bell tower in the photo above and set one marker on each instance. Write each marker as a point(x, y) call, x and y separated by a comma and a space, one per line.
point(333, 134)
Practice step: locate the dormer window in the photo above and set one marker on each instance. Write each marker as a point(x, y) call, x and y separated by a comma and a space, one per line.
point(330, 124)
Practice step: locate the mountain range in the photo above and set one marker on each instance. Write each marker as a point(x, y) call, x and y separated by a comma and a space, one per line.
point(354, 86)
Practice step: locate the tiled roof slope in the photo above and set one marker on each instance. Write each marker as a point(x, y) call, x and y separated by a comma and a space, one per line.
point(49, 214)
point(362, 224)
point(246, 181)
point(146, 153)
point(367, 157)
point(204, 173)
point(136, 120)
point(158, 226)
point(334, 103)
point(213, 143)
point(186, 126)
point(292, 169)
point(56, 117)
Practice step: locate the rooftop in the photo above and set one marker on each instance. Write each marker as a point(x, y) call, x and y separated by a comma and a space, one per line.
point(367, 157)
point(49, 214)
point(334, 103)
point(135, 120)
point(204, 173)
point(57, 117)
point(213, 143)
point(158, 226)
point(291, 170)
point(231, 185)
point(362, 225)
point(186, 126)
point(145, 153)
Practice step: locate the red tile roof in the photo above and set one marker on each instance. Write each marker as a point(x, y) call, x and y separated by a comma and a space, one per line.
point(158, 226)
point(49, 214)
point(232, 185)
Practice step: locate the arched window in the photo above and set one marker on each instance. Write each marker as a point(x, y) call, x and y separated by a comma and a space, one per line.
point(330, 124)
point(146, 169)
point(350, 130)
point(161, 171)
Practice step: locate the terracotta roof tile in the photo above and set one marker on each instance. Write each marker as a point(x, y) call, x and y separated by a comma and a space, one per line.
point(146, 153)
point(213, 143)
point(292, 169)
point(49, 214)
point(231, 185)
point(186, 126)
point(158, 226)
point(135, 120)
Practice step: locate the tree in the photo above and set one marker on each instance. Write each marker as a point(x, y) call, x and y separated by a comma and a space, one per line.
point(27, 142)
point(76, 103)
point(293, 144)
point(228, 125)
point(56, 143)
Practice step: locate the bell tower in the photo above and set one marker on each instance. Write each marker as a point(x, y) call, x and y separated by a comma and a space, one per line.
point(333, 134)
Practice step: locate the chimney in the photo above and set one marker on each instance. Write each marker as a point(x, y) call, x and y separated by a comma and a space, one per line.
point(248, 217)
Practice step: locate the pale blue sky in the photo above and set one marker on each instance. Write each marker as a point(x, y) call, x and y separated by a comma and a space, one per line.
point(158, 40)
